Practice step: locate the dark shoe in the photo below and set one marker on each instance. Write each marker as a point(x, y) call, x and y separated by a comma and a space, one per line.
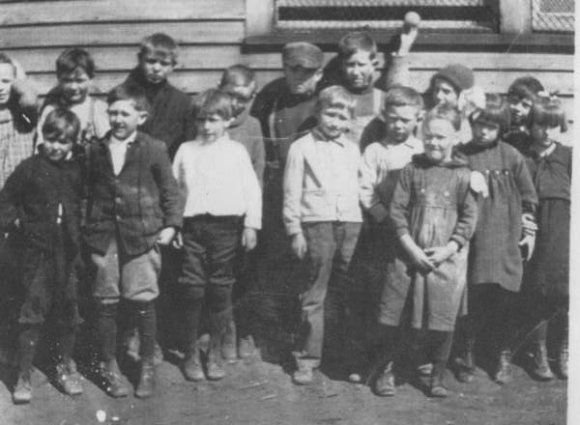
point(542, 369)
point(503, 374)
point(215, 371)
point(466, 364)
point(192, 368)
point(146, 386)
point(304, 375)
point(246, 347)
point(23, 390)
point(384, 385)
point(68, 378)
point(437, 388)
point(229, 352)
point(116, 383)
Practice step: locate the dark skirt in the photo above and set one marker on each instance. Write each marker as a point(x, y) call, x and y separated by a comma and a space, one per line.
point(547, 273)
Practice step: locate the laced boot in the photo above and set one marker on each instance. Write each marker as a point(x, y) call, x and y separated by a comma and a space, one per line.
point(146, 386)
point(438, 388)
point(229, 352)
point(503, 375)
point(246, 347)
point(117, 386)
point(304, 374)
point(68, 378)
point(27, 342)
point(215, 370)
point(192, 369)
point(23, 390)
point(384, 385)
point(542, 369)
point(466, 365)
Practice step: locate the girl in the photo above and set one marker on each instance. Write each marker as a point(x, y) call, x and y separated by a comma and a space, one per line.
point(434, 215)
point(75, 70)
point(504, 233)
point(42, 200)
point(546, 277)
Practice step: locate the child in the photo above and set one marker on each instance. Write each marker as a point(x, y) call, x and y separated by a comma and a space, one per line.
point(42, 200)
point(75, 70)
point(133, 207)
point(169, 116)
point(522, 94)
point(358, 64)
point(505, 233)
point(433, 215)
point(240, 83)
point(547, 275)
point(222, 197)
point(322, 216)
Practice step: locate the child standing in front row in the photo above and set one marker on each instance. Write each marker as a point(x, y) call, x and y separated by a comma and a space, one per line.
point(322, 216)
point(41, 199)
point(546, 279)
point(133, 207)
point(433, 215)
point(223, 209)
point(505, 232)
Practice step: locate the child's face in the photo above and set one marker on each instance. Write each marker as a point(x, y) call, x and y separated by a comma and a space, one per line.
point(302, 80)
point(57, 148)
point(124, 118)
point(443, 92)
point(400, 122)
point(6, 80)
point(211, 127)
point(485, 132)
point(75, 85)
point(520, 108)
point(359, 70)
point(242, 96)
point(333, 122)
point(541, 134)
point(439, 139)
point(156, 66)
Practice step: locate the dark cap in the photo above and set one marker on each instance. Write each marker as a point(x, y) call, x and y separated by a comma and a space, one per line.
point(460, 76)
point(302, 54)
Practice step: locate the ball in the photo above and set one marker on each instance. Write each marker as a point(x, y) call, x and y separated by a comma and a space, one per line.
point(412, 19)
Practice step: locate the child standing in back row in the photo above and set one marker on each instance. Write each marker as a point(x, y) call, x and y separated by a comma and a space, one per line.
point(433, 215)
point(546, 280)
point(322, 217)
point(505, 233)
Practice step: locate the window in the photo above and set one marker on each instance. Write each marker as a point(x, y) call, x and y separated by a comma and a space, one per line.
point(463, 15)
point(553, 15)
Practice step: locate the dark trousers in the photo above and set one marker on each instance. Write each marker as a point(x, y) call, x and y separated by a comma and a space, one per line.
point(210, 247)
point(330, 249)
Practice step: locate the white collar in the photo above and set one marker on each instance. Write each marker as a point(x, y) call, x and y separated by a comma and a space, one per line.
point(114, 141)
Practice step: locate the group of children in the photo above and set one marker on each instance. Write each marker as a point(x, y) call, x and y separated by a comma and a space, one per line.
point(314, 159)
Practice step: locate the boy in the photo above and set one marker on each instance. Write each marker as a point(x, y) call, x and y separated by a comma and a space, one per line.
point(133, 207)
point(285, 108)
point(240, 83)
point(322, 216)
point(75, 70)
point(169, 116)
point(42, 199)
point(357, 65)
point(222, 197)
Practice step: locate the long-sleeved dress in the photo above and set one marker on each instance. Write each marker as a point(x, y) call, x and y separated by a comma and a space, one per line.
point(433, 204)
point(548, 271)
point(495, 253)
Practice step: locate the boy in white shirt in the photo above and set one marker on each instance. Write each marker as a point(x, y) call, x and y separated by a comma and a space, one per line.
point(322, 215)
point(223, 208)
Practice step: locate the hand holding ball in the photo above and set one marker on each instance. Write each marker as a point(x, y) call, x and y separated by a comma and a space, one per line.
point(412, 20)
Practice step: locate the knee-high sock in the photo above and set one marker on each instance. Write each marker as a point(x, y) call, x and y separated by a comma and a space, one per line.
point(145, 317)
point(107, 330)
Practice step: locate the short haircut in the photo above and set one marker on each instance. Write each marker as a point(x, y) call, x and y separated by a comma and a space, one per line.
point(336, 97)
point(72, 59)
point(4, 58)
point(213, 102)
point(61, 123)
point(159, 43)
point(496, 111)
point(357, 41)
point(548, 111)
point(444, 112)
point(527, 87)
point(129, 91)
point(237, 75)
point(403, 96)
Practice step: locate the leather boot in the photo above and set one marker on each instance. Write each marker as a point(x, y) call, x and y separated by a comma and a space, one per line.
point(229, 351)
point(466, 365)
point(27, 342)
point(503, 374)
point(116, 383)
point(192, 369)
point(146, 386)
point(437, 388)
point(23, 390)
point(215, 370)
point(384, 385)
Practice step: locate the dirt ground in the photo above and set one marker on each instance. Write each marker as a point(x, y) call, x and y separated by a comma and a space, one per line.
point(258, 391)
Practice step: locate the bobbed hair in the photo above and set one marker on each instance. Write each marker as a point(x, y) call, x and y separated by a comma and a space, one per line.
point(61, 123)
point(75, 58)
point(213, 102)
point(496, 111)
point(548, 111)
